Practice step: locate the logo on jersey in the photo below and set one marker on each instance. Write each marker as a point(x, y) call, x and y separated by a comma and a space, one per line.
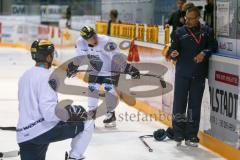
point(110, 46)
point(53, 84)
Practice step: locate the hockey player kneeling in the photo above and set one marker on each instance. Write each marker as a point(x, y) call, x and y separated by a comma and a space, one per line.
point(106, 63)
point(38, 123)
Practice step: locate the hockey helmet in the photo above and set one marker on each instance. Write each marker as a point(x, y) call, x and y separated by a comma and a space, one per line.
point(40, 49)
point(87, 32)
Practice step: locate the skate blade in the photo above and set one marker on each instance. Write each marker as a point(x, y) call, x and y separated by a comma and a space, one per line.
point(110, 125)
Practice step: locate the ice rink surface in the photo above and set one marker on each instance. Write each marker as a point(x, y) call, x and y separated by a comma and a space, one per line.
point(121, 143)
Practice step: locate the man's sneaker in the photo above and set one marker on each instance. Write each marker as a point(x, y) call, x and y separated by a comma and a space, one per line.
point(110, 120)
point(178, 140)
point(70, 158)
point(192, 142)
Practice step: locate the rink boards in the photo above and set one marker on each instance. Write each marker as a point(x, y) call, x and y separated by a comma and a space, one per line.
point(220, 127)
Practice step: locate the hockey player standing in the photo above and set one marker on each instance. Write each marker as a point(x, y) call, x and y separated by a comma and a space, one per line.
point(38, 123)
point(102, 54)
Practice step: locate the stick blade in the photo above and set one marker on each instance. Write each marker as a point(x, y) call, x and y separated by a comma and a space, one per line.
point(9, 154)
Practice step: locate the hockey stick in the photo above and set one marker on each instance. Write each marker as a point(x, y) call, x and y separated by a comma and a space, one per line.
point(145, 143)
point(163, 83)
point(8, 128)
point(79, 71)
point(9, 154)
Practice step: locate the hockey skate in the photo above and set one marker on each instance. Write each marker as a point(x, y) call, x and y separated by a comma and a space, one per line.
point(192, 142)
point(110, 120)
point(69, 158)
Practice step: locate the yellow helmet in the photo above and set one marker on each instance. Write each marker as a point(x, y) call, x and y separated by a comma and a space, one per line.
point(40, 49)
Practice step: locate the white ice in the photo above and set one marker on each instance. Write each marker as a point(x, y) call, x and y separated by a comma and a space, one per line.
point(121, 143)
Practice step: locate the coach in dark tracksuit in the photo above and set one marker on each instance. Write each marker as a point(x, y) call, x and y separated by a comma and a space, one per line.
point(191, 46)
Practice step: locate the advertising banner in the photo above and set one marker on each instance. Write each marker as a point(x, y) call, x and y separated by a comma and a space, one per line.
point(224, 100)
point(223, 19)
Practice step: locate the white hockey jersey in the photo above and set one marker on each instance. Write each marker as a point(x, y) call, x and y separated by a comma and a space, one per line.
point(37, 102)
point(103, 61)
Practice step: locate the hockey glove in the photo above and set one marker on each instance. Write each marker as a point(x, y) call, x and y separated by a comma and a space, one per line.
point(131, 70)
point(71, 70)
point(76, 113)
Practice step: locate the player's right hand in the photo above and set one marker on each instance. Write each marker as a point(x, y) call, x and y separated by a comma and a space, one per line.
point(135, 75)
point(76, 113)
